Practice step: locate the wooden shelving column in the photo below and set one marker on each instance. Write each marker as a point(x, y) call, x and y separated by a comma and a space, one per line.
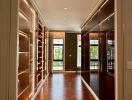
point(25, 52)
point(23, 68)
point(40, 51)
point(46, 40)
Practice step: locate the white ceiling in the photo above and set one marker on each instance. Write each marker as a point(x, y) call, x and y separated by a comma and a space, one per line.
point(71, 19)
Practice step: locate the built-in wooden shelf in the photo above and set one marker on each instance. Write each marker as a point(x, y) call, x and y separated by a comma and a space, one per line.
point(22, 90)
point(40, 46)
point(26, 44)
point(23, 34)
point(22, 14)
point(24, 71)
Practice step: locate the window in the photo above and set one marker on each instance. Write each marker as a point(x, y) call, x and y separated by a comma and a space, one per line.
point(57, 54)
point(94, 42)
point(78, 50)
point(110, 56)
point(94, 54)
point(58, 41)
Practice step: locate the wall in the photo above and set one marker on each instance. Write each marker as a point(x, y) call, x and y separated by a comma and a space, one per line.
point(4, 47)
point(127, 32)
point(70, 49)
point(103, 52)
point(123, 46)
point(50, 53)
point(8, 27)
point(71, 52)
point(119, 63)
point(58, 35)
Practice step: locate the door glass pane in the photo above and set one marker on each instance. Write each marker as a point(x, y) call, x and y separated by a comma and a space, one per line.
point(110, 56)
point(58, 52)
point(58, 63)
point(58, 41)
point(94, 54)
point(78, 50)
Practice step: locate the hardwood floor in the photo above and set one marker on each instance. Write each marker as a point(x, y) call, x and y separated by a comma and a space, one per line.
point(102, 84)
point(64, 86)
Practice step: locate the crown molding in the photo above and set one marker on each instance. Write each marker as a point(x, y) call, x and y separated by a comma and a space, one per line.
point(38, 10)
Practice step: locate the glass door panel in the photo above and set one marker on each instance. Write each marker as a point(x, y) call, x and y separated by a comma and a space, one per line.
point(94, 54)
point(58, 54)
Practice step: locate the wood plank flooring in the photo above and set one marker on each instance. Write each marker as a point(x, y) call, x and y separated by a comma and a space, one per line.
point(64, 86)
point(101, 83)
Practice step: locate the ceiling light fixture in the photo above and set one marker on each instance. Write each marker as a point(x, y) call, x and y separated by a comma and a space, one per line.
point(65, 8)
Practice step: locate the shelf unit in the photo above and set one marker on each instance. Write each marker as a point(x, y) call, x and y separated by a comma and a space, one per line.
point(40, 52)
point(31, 70)
point(46, 43)
point(23, 68)
point(25, 52)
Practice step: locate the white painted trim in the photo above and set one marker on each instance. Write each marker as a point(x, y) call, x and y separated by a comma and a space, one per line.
point(57, 71)
point(39, 88)
point(92, 92)
point(62, 71)
point(72, 71)
point(37, 8)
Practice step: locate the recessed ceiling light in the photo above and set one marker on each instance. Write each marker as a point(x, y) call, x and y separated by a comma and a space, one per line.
point(65, 8)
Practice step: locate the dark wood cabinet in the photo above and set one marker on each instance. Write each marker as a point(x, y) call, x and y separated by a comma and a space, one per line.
point(102, 24)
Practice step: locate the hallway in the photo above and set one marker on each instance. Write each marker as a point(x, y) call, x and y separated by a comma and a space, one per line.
point(64, 86)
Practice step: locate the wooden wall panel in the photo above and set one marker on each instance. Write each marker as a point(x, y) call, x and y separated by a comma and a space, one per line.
point(86, 52)
point(70, 52)
point(103, 52)
point(101, 22)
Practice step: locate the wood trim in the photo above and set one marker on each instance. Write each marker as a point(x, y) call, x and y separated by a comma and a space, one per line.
point(88, 87)
point(39, 88)
point(37, 8)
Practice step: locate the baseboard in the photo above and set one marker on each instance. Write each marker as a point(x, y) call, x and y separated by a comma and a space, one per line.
point(72, 71)
point(57, 71)
point(39, 88)
point(89, 88)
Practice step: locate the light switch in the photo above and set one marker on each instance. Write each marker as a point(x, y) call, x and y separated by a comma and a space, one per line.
point(70, 55)
point(129, 65)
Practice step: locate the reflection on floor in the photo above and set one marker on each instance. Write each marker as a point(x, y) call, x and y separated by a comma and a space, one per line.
point(94, 82)
point(64, 86)
point(57, 67)
point(101, 83)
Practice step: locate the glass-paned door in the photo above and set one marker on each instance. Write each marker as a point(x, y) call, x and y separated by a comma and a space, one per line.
point(79, 51)
point(58, 54)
